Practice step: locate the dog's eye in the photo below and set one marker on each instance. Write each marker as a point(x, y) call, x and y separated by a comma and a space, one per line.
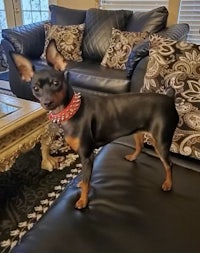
point(35, 88)
point(55, 83)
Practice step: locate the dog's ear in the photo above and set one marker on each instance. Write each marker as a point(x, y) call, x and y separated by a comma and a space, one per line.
point(23, 65)
point(54, 57)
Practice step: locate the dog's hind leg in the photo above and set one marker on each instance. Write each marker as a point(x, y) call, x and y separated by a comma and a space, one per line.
point(162, 150)
point(139, 143)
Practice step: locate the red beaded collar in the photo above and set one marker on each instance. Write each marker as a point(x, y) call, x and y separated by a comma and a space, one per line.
point(68, 112)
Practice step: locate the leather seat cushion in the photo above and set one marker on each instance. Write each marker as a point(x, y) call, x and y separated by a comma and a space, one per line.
point(127, 211)
point(91, 75)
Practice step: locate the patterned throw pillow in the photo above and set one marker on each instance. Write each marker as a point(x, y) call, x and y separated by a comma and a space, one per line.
point(68, 40)
point(3, 62)
point(121, 44)
point(177, 64)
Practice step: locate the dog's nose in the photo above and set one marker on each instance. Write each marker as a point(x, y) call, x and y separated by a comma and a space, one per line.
point(48, 104)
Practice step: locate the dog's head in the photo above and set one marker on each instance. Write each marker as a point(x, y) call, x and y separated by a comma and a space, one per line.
point(48, 85)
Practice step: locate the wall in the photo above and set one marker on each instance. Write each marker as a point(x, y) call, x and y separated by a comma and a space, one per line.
point(173, 8)
point(77, 4)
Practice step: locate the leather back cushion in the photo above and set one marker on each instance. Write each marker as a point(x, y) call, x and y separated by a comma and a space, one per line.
point(152, 21)
point(65, 16)
point(98, 29)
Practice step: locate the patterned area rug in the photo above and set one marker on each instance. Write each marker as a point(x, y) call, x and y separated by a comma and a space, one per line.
point(27, 191)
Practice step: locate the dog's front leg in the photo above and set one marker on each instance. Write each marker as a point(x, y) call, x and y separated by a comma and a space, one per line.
point(48, 162)
point(84, 184)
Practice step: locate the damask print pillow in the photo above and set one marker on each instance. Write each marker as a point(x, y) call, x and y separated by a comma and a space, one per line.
point(3, 62)
point(68, 40)
point(177, 64)
point(121, 44)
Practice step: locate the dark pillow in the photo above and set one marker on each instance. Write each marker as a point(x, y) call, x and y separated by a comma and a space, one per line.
point(98, 30)
point(138, 52)
point(65, 16)
point(151, 21)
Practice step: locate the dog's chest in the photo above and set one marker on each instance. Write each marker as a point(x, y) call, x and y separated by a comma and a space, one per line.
point(71, 134)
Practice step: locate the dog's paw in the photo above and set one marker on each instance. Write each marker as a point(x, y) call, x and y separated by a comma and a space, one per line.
point(167, 186)
point(80, 184)
point(130, 157)
point(81, 204)
point(50, 163)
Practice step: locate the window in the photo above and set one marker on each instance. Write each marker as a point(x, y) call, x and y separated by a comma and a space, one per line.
point(189, 12)
point(34, 11)
point(132, 5)
point(3, 22)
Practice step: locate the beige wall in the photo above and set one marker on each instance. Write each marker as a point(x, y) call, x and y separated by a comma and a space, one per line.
point(80, 4)
point(173, 8)
point(77, 4)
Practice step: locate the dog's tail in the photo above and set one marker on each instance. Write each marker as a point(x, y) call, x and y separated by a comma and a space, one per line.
point(170, 92)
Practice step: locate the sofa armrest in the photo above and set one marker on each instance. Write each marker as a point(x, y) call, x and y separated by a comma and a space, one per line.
point(175, 32)
point(27, 39)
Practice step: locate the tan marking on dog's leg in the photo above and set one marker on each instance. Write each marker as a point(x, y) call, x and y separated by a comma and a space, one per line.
point(48, 162)
point(73, 142)
point(83, 200)
point(167, 184)
point(139, 143)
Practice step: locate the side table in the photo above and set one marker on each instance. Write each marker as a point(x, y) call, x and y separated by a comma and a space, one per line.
point(23, 123)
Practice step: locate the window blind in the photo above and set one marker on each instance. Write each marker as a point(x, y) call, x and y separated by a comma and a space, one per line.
point(132, 4)
point(189, 12)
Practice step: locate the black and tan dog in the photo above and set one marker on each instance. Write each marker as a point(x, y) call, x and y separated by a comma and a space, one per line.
point(93, 121)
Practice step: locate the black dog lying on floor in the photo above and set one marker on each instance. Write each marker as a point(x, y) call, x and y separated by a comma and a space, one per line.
point(90, 122)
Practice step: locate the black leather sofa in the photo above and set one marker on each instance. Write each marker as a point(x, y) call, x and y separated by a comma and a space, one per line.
point(128, 212)
point(89, 75)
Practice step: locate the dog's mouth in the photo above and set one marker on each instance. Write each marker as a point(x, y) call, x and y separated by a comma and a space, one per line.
point(49, 106)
